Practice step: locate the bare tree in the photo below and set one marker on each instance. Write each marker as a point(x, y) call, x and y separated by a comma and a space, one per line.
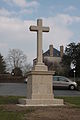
point(16, 59)
point(26, 68)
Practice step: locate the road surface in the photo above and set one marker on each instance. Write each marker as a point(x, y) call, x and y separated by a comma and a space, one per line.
point(19, 89)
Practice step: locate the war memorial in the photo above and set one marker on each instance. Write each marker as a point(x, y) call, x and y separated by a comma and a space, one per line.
point(39, 85)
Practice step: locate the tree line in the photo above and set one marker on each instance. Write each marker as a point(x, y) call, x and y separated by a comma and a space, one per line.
point(71, 57)
point(15, 63)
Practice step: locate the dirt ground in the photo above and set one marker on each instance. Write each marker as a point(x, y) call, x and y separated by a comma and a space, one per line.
point(54, 113)
point(47, 113)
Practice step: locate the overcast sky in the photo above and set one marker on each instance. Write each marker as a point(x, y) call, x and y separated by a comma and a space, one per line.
point(62, 16)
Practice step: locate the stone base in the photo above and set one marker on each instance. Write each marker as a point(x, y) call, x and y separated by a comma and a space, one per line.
point(40, 67)
point(39, 85)
point(40, 90)
point(39, 102)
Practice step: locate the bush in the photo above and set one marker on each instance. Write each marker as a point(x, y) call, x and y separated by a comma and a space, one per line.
point(17, 71)
point(7, 78)
point(78, 82)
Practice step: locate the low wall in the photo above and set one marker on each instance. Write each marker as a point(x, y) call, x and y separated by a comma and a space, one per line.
point(11, 79)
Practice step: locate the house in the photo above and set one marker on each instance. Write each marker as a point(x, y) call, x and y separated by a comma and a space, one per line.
point(52, 55)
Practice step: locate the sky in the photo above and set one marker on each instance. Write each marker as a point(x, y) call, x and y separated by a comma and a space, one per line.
point(16, 16)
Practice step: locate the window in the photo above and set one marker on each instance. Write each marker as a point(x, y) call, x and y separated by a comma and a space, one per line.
point(63, 79)
point(55, 78)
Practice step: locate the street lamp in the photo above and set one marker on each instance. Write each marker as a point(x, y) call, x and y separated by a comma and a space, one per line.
point(12, 73)
point(73, 66)
point(74, 74)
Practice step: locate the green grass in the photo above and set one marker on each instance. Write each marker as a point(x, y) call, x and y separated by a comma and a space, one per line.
point(9, 99)
point(12, 113)
point(14, 100)
point(7, 115)
point(72, 100)
point(16, 113)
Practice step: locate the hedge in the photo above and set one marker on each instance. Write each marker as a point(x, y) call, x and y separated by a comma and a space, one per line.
point(7, 78)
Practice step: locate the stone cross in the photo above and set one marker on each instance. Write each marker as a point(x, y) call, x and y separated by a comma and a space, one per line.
point(39, 29)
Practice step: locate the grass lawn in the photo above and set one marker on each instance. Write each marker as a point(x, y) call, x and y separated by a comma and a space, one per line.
point(10, 111)
point(7, 115)
point(72, 100)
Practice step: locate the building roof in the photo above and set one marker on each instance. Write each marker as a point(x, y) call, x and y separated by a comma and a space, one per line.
point(56, 53)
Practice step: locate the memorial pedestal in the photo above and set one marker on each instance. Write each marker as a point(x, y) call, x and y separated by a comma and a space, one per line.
point(39, 90)
point(39, 84)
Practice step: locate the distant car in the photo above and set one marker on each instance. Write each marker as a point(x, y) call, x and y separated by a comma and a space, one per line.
point(63, 82)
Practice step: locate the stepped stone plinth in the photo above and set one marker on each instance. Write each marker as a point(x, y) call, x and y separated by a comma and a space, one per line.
point(39, 84)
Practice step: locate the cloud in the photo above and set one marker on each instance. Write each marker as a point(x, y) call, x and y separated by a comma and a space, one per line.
point(3, 47)
point(32, 4)
point(21, 8)
point(26, 11)
point(77, 18)
point(22, 3)
point(7, 13)
point(59, 33)
point(4, 12)
point(15, 33)
point(65, 19)
point(70, 8)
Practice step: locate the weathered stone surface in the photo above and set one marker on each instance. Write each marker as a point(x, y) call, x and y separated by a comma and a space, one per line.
point(39, 84)
point(39, 90)
point(41, 102)
point(39, 29)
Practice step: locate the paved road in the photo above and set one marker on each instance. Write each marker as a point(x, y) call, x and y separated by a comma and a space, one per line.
point(19, 89)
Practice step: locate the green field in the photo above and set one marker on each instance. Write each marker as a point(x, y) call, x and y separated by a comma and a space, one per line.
point(72, 100)
point(10, 111)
